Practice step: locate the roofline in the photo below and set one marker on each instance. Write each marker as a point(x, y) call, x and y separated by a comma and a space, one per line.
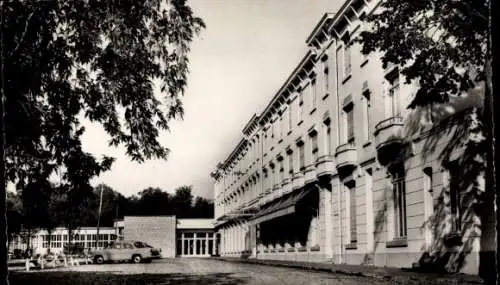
point(254, 118)
point(235, 150)
point(341, 12)
point(321, 22)
point(301, 64)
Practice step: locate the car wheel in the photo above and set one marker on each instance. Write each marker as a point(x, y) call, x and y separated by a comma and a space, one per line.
point(136, 258)
point(99, 259)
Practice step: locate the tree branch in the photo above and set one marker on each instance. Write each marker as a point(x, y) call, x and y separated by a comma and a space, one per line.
point(23, 35)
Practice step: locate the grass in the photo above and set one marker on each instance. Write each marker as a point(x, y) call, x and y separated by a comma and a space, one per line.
point(97, 278)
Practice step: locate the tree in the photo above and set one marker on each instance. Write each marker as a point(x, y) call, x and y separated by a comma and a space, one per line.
point(182, 201)
point(14, 216)
point(39, 207)
point(113, 205)
point(154, 201)
point(97, 59)
point(443, 48)
point(72, 207)
point(61, 60)
point(203, 208)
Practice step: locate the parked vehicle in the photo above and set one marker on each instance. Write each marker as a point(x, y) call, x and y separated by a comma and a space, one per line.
point(134, 251)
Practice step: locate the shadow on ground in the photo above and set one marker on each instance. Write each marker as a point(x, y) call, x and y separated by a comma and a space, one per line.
point(107, 278)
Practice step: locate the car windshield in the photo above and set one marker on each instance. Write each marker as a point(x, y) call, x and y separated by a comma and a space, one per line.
point(110, 245)
point(138, 244)
point(147, 245)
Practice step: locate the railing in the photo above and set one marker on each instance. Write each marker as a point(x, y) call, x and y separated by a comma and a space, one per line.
point(392, 121)
point(345, 147)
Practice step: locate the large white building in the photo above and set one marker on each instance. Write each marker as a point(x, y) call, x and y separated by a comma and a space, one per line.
point(337, 169)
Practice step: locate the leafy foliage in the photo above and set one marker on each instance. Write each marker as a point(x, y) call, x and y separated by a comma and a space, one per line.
point(151, 201)
point(203, 208)
point(65, 60)
point(443, 48)
point(50, 206)
point(182, 201)
point(439, 44)
point(14, 214)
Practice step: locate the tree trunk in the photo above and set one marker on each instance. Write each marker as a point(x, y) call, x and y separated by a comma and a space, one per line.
point(50, 240)
point(487, 255)
point(70, 239)
point(3, 179)
point(29, 239)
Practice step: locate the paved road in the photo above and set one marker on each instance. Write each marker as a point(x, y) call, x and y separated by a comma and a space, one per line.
point(208, 271)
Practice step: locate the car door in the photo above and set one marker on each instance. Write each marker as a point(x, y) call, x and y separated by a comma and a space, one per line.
point(116, 251)
point(141, 249)
point(128, 250)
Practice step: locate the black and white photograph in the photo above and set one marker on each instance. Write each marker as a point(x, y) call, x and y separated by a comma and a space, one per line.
point(248, 142)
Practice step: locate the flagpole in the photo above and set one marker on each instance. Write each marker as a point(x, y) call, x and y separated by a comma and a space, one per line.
point(99, 216)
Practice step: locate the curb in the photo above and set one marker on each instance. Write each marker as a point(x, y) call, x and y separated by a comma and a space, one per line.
point(379, 276)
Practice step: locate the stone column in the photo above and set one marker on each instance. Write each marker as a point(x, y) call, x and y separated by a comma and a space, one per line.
point(195, 242)
point(225, 240)
point(307, 150)
point(205, 251)
point(369, 211)
point(296, 158)
point(337, 194)
point(321, 136)
point(238, 240)
point(286, 166)
point(327, 221)
point(231, 239)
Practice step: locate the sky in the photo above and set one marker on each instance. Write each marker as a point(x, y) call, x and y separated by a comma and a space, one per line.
point(237, 64)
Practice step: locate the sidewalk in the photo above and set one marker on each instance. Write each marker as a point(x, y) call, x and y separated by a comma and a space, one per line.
point(398, 275)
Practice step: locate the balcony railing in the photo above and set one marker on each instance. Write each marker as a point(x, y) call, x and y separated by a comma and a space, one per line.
point(389, 139)
point(387, 123)
point(344, 147)
point(325, 166)
point(346, 156)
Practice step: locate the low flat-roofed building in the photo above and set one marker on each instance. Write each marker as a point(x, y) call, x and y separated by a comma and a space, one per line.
point(196, 237)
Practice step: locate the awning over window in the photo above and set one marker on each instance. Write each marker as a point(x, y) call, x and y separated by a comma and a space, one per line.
point(282, 207)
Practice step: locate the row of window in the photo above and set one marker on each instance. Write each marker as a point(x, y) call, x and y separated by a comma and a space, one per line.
point(88, 244)
point(275, 174)
point(400, 226)
point(349, 126)
point(393, 103)
point(308, 94)
point(78, 237)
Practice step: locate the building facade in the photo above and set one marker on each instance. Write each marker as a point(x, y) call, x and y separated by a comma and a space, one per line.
point(175, 237)
point(158, 231)
point(337, 169)
point(86, 237)
point(196, 238)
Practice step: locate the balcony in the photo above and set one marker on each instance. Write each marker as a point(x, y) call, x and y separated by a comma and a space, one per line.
point(276, 187)
point(287, 185)
point(346, 156)
point(297, 180)
point(325, 166)
point(310, 173)
point(389, 138)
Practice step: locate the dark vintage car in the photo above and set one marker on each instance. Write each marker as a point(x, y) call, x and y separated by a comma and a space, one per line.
point(134, 251)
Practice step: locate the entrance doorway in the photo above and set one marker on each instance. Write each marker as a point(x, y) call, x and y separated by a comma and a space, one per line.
point(196, 244)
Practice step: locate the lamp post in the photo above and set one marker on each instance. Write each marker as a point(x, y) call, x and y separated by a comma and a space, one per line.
point(99, 216)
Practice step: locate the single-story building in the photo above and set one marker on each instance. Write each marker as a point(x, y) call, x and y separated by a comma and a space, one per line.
point(175, 237)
